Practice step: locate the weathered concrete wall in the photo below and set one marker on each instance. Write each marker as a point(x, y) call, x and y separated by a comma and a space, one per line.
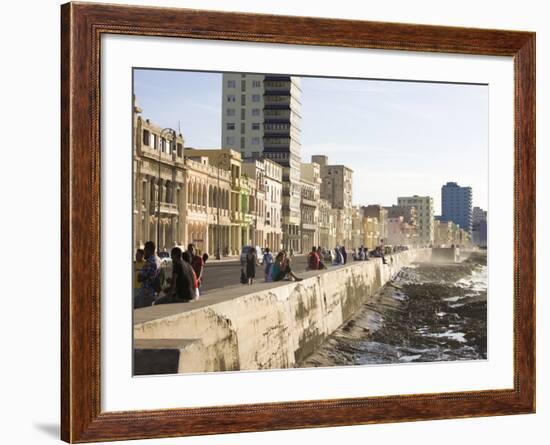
point(274, 326)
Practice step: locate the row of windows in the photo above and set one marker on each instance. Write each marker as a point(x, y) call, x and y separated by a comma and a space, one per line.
point(233, 98)
point(230, 140)
point(255, 126)
point(232, 112)
point(233, 84)
point(152, 140)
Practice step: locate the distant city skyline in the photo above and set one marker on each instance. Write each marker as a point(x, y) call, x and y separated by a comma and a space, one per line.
point(400, 138)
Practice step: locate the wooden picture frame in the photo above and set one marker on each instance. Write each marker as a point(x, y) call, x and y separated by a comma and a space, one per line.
point(82, 26)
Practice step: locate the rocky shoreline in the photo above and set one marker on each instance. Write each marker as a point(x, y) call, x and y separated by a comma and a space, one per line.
point(428, 312)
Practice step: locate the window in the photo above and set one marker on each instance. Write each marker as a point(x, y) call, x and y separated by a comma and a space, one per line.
point(145, 137)
point(230, 140)
point(255, 126)
point(230, 98)
point(154, 141)
point(230, 125)
point(256, 83)
point(231, 84)
point(255, 141)
point(179, 150)
point(231, 111)
point(255, 98)
point(255, 112)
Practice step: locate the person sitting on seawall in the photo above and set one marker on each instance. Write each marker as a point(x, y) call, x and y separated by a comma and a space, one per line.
point(281, 269)
point(148, 277)
point(313, 259)
point(197, 263)
point(182, 288)
point(138, 265)
point(186, 257)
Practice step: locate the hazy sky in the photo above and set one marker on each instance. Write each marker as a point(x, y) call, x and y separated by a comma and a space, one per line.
point(400, 138)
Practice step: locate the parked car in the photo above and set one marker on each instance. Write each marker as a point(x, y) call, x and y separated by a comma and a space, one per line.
point(162, 255)
point(245, 250)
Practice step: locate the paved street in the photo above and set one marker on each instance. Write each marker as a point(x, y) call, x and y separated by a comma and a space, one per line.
point(228, 273)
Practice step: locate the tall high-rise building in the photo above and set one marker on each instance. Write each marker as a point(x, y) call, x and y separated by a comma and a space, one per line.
point(424, 206)
point(261, 116)
point(456, 205)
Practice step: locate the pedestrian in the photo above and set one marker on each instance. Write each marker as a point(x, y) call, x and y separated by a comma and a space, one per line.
point(251, 260)
point(138, 264)
point(313, 259)
point(268, 262)
point(344, 255)
point(148, 277)
point(197, 263)
point(182, 288)
point(186, 257)
point(337, 256)
point(281, 269)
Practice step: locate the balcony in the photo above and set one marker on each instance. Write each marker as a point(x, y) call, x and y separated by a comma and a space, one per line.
point(277, 101)
point(165, 207)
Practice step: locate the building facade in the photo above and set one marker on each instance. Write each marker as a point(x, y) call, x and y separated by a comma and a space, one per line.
point(274, 200)
point(327, 229)
point(400, 232)
point(309, 205)
point(227, 163)
point(261, 116)
point(479, 227)
point(159, 176)
point(456, 205)
point(357, 228)
point(336, 188)
point(381, 215)
point(424, 216)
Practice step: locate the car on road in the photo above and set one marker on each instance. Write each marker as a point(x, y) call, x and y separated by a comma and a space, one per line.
point(245, 250)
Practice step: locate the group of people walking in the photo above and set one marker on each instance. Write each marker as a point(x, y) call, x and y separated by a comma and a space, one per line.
point(185, 283)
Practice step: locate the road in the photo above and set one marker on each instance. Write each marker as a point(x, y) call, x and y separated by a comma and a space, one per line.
point(228, 273)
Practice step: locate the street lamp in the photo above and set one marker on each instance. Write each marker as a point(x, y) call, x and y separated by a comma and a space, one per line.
point(162, 133)
point(223, 160)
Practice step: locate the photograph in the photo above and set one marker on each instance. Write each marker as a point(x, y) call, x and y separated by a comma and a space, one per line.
point(297, 221)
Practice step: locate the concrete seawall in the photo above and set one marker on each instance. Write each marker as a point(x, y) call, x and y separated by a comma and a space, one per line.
point(275, 325)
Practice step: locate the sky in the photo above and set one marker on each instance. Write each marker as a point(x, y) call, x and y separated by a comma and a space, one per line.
point(400, 138)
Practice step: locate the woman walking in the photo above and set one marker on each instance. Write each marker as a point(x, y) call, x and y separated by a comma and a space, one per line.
point(251, 262)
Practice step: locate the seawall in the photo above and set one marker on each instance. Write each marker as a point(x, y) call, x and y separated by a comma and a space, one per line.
point(274, 325)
